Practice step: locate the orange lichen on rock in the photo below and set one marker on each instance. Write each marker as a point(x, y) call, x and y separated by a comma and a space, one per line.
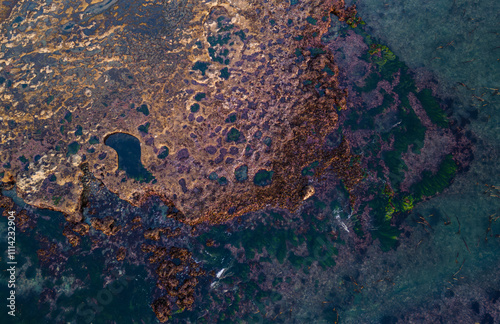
point(22, 220)
point(121, 254)
point(72, 237)
point(162, 309)
point(172, 263)
point(106, 225)
point(7, 204)
point(81, 228)
point(155, 234)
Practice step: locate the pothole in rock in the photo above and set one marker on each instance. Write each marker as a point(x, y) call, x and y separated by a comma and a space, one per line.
point(128, 149)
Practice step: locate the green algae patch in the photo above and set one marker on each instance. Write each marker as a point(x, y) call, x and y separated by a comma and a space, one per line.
point(383, 211)
point(406, 84)
point(233, 135)
point(195, 108)
point(73, 148)
point(357, 228)
point(200, 96)
point(309, 170)
point(163, 153)
point(213, 176)
point(381, 54)
point(409, 131)
point(241, 173)
point(389, 68)
point(49, 99)
point(387, 236)
point(93, 140)
point(219, 40)
point(432, 184)
point(79, 131)
point(263, 178)
point(224, 73)
point(68, 117)
point(222, 181)
point(231, 118)
point(432, 108)
point(396, 166)
point(241, 34)
point(328, 70)
point(371, 82)
point(367, 119)
point(311, 20)
point(201, 66)
point(56, 200)
point(296, 261)
point(414, 130)
point(402, 203)
point(314, 52)
point(387, 62)
point(321, 249)
point(144, 128)
point(143, 109)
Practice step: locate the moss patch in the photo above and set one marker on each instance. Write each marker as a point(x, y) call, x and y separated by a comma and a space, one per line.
point(263, 178)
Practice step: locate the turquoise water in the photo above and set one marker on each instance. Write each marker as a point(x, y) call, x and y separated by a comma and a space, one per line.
point(467, 31)
point(452, 41)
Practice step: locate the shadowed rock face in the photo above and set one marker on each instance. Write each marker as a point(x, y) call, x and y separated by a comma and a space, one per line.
point(216, 93)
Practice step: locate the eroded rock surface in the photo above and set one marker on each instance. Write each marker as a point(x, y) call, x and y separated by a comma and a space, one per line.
point(230, 101)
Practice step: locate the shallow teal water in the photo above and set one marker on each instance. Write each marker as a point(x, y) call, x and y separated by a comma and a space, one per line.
point(453, 42)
